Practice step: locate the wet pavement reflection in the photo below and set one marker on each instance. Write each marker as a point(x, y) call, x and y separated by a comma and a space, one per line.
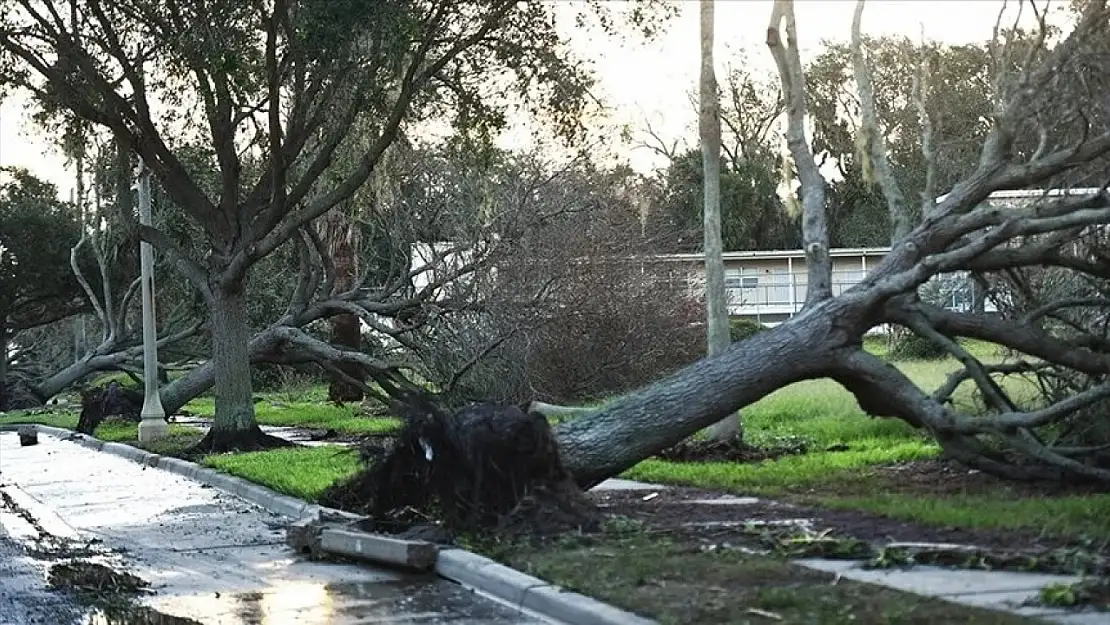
point(209, 557)
point(421, 600)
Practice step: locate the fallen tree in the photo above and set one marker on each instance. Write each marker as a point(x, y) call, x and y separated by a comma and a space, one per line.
point(1044, 133)
point(962, 231)
point(1039, 95)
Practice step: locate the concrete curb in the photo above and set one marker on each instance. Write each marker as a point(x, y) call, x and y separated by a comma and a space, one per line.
point(529, 593)
point(469, 569)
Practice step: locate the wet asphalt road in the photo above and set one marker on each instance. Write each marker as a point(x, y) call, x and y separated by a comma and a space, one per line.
point(209, 556)
point(24, 598)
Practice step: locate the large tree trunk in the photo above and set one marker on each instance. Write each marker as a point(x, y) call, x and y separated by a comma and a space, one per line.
point(234, 426)
point(640, 424)
point(346, 330)
point(715, 298)
point(200, 379)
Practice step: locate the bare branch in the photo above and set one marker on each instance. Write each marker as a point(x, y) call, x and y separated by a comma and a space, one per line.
point(873, 143)
point(921, 83)
point(188, 268)
point(76, 268)
point(815, 230)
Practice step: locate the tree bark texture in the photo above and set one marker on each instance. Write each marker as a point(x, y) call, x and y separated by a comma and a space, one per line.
point(232, 365)
point(709, 125)
point(346, 330)
point(644, 422)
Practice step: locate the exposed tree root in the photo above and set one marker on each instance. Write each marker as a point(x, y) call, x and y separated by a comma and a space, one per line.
point(220, 441)
point(484, 468)
point(105, 401)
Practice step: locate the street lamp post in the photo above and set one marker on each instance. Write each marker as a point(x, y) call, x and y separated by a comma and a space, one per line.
point(153, 425)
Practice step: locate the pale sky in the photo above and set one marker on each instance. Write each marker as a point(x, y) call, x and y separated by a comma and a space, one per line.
point(648, 82)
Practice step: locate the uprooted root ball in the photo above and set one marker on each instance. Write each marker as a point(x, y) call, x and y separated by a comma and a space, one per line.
point(486, 467)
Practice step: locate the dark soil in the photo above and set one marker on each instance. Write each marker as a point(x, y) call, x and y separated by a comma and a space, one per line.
point(942, 477)
point(254, 439)
point(674, 510)
point(684, 581)
point(729, 451)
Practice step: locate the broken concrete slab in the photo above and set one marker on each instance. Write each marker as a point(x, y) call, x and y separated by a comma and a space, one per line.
point(406, 554)
point(726, 500)
point(1010, 601)
point(1079, 618)
point(935, 581)
point(619, 484)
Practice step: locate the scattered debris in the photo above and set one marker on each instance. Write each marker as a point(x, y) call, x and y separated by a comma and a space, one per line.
point(92, 577)
point(28, 435)
point(1092, 592)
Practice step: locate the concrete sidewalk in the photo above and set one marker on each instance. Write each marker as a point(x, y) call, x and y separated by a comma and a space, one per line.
point(211, 556)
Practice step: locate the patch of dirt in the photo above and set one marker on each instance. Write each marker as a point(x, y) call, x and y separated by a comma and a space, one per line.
point(93, 577)
point(943, 477)
point(685, 581)
point(675, 510)
point(730, 451)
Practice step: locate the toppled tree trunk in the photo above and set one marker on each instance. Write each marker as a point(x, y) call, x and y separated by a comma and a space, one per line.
point(485, 467)
point(642, 423)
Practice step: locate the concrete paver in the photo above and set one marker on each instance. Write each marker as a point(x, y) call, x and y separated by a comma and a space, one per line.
point(215, 558)
point(619, 484)
point(936, 581)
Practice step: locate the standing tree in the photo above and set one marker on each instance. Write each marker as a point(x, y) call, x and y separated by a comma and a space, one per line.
point(277, 88)
point(709, 125)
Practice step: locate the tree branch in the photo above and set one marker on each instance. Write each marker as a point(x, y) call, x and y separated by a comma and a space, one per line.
point(815, 231)
point(873, 142)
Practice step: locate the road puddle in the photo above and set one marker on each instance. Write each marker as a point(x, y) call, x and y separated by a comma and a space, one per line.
point(421, 600)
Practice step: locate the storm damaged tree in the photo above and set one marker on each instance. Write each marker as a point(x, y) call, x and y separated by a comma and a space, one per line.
point(276, 88)
point(36, 286)
point(1046, 130)
point(101, 271)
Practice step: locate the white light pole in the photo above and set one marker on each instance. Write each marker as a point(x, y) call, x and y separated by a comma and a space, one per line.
point(153, 425)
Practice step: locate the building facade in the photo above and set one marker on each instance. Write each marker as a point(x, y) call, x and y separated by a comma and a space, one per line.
point(771, 286)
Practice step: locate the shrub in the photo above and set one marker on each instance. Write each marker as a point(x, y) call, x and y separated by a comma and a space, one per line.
point(744, 329)
point(910, 346)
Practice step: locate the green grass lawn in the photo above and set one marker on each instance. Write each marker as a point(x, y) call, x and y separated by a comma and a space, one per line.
point(305, 410)
point(302, 472)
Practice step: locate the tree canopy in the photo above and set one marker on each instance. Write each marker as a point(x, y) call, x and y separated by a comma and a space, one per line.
point(37, 231)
